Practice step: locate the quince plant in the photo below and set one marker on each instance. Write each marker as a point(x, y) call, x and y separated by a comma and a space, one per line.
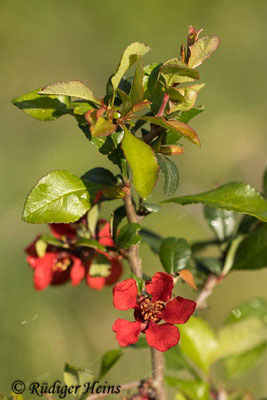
point(139, 124)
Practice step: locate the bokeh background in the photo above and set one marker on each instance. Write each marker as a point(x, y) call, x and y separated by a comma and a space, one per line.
point(47, 41)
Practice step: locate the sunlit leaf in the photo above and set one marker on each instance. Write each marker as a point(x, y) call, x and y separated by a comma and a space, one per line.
point(58, 197)
point(69, 88)
point(202, 49)
point(137, 91)
point(234, 196)
point(142, 161)
point(193, 390)
point(177, 72)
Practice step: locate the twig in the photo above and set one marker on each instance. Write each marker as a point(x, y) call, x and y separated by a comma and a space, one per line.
point(207, 290)
point(127, 386)
point(163, 104)
point(136, 267)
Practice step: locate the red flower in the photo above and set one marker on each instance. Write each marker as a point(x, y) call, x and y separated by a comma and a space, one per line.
point(58, 265)
point(149, 310)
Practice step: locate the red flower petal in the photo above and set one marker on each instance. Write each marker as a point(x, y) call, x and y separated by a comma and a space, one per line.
point(163, 336)
point(127, 332)
point(77, 271)
point(115, 271)
point(43, 273)
point(178, 310)
point(95, 282)
point(125, 294)
point(160, 286)
point(104, 237)
point(59, 230)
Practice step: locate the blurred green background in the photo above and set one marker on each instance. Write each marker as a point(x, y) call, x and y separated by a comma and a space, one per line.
point(48, 41)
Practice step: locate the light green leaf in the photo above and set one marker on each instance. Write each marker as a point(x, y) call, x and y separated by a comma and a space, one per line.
point(221, 222)
point(171, 175)
point(193, 390)
point(79, 107)
point(238, 365)
point(108, 361)
point(142, 161)
point(100, 266)
point(137, 91)
point(40, 247)
point(202, 49)
point(174, 125)
point(176, 361)
point(189, 95)
point(92, 217)
point(198, 342)
point(102, 127)
point(174, 254)
point(70, 88)
point(175, 94)
point(50, 239)
point(58, 197)
point(44, 108)
point(129, 57)
point(234, 196)
point(252, 251)
point(177, 72)
point(255, 307)
point(242, 336)
point(74, 376)
point(128, 235)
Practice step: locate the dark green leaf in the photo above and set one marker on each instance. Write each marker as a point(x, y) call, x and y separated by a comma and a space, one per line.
point(50, 239)
point(117, 217)
point(256, 308)
point(44, 108)
point(128, 235)
point(142, 161)
point(108, 361)
point(171, 174)
point(139, 282)
point(100, 175)
point(234, 196)
point(170, 137)
point(175, 95)
point(137, 91)
point(91, 243)
point(238, 365)
point(69, 88)
point(126, 102)
point(174, 254)
point(252, 251)
point(174, 125)
point(221, 222)
point(198, 342)
point(58, 197)
point(190, 114)
point(193, 390)
point(247, 224)
point(131, 54)
point(210, 265)
point(153, 240)
point(202, 49)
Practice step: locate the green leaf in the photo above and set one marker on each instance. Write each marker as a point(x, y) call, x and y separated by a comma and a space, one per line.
point(174, 94)
point(256, 307)
point(116, 218)
point(91, 243)
point(40, 247)
point(139, 282)
point(100, 175)
point(50, 239)
point(102, 127)
point(153, 240)
point(142, 161)
point(70, 88)
point(242, 336)
point(198, 342)
point(252, 251)
point(137, 91)
point(234, 196)
point(74, 376)
point(171, 174)
point(58, 197)
point(202, 49)
point(126, 102)
point(193, 390)
point(209, 264)
point(174, 125)
point(221, 222)
point(177, 73)
point(174, 254)
point(176, 361)
point(190, 114)
point(238, 365)
point(44, 108)
point(128, 235)
point(100, 266)
point(129, 57)
point(92, 218)
point(108, 361)
point(79, 107)
point(189, 94)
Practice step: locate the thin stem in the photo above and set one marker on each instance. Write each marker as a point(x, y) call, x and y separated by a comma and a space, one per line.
point(136, 268)
point(207, 290)
point(163, 104)
point(124, 388)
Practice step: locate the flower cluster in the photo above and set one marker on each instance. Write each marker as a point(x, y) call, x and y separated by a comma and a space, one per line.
point(63, 261)
point(150, 308)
